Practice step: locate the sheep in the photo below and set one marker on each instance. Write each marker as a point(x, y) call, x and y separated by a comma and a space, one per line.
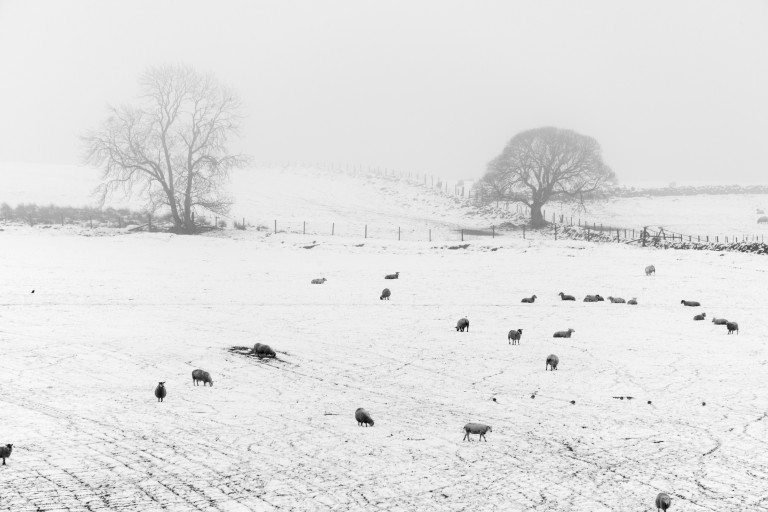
point(616, 300)
point(262, 350)
point(5, 452)
point(396, 275)
point(362, 416)
point(563, 334)
point(663, 501)
point(732, 327)
point(632, 301)
point(385, 294)
point(566, 297)
point(760, 212)
point(319, 281)
point(593, 298)
point(692, 303)
point(462, 324)
point(552, 362)
point(650, 269)
point(763, 219)
point(700, 317)
point(529, 300)
point(476, 428)
point(514, 335)
point(599, 298)
point(203, 376)
point(719, 321)
point(160, 391)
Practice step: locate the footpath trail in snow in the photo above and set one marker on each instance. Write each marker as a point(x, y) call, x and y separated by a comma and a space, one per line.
point(112, 316)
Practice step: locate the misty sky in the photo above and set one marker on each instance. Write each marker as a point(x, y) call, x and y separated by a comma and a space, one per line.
point(673, 91)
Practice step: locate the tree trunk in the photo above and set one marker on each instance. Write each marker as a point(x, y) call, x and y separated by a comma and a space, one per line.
point(537, 219)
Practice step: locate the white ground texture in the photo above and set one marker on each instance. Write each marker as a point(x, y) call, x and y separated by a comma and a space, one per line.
point(113, 315)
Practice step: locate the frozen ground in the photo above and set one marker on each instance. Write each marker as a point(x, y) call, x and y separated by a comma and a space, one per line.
point(112, 316)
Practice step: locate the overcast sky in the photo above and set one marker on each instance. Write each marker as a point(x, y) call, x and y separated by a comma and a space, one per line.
point(673, 91)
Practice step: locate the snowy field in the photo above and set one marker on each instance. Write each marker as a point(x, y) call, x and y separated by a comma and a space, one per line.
point(112, 316)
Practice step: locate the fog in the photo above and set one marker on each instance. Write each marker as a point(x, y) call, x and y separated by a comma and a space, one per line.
point(673, 91)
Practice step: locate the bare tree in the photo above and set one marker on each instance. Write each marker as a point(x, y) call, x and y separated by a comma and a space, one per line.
point(548, 163)
point(172, 147)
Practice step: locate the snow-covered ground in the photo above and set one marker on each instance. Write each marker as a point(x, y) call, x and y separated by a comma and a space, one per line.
point(112, 316)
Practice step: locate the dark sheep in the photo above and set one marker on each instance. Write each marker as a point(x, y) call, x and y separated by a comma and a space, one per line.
point(732, 327)
point(396, 275)
point(160, 391)
point(552, 362)
point(599, 298)
point(692, 303)
point(762, 220)
point(632, 301)
point(385, 294)
point(616, 300)
point(262, 350)
point(593, 298)
point(719, 321)
point(5, 452)
point(514, 335)
point(566, 297)
point(563, 334)
point(663, 502)
point(529, 300)
point(319, 281)
point(650, 269)
point(462, 324)
point(362, 417)
point(700, 317)
point(476, 428)
point(202, 376)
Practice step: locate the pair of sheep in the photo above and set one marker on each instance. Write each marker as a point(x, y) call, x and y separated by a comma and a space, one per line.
point(593, 298)
point(364, 418)
point(5, 452)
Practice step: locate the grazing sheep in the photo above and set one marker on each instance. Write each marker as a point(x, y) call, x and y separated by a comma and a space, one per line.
point(362, 416)
point(5, 452)
point(566, 297)
point(202, 376)
point(632, 301)
point(593, 298)
point(760, 212)
point(563, 334)
point(319, 281)
point(529, 300)
point(690, 303)
point(462, 324)
point(719, 321)
point(616, 300)
point(650, 269)
point(476, 428)
point(396, 275)
point(762, 220)
point(732, 327)
point(514, 335)
point(663, 501)
point(160, 391)
point(262, 350)
point(552, 362)
point(385, 294)
point(700, 317)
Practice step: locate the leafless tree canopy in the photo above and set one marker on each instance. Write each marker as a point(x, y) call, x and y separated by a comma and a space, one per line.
point(172, 147)
point(543, 164)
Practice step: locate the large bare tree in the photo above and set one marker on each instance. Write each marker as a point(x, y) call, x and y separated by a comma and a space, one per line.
point(540, 165)
point(171, 148)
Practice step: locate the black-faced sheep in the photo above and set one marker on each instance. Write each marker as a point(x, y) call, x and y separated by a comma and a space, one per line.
point(262, 350)
point(692, 303)
point(476, 428)
point(700, 317)
point(396, 275)
point(5, 452)
point(632, 301)
point(663, 502)
point(566, 297)
point(719, 321)
point(552, 362)
point(160, 391)
point(563, 334)
point(650, 269)
point(319, 281)
point(385, 294)
point(732, 327)
point(362, 417)
point(529, 300)
point(462, 324)
point(616, 300)
point(514, 335)
point(593, 298)
point(201, 376)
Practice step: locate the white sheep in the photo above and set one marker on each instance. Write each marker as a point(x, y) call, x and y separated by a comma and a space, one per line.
point(700, 317)
point(476, 428)
point(563, 334)
point(616, 300)
point(650, 269)
point(319, 281)
point(719, 321)
point(632, 301)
